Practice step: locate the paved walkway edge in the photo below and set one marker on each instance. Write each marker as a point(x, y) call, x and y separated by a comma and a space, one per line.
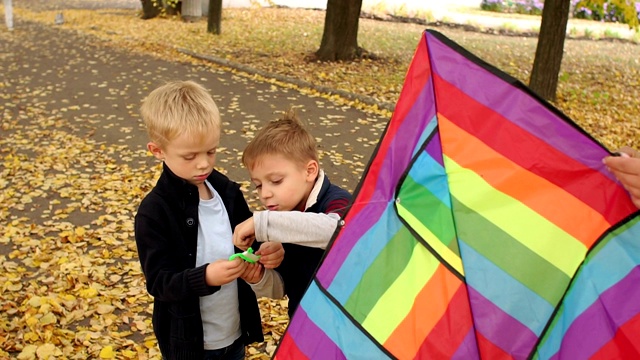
point(368, 100)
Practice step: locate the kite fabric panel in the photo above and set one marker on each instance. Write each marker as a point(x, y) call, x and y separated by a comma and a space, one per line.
point(485, 227)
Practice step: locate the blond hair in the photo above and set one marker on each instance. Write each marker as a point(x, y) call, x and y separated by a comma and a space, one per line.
point(177, 108)
point(286, 136)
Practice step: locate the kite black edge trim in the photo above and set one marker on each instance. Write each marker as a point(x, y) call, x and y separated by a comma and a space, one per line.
point(356, 191)
point(419, 238)
point(615, 227)
point(351, 319)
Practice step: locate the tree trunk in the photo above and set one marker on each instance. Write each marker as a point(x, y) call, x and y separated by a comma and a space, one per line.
point(205, 7)
point(214, 21)
point(8, 14)
point(150, 8)
point(191, 10)
point(546, 65)
point(340, 37)
point(172, 8)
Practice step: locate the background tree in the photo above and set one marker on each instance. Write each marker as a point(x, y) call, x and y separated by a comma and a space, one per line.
point(153, 8)
point(214, 19)
point(548, 58)
point(191, 10)
point(150, 8)
point(340, 36)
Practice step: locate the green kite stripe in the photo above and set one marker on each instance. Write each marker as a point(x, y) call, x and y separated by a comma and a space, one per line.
point(429, 210)
point(510, 255)
point(384, 270)
point(394, 305)
point(453, 259)
point(516, 219)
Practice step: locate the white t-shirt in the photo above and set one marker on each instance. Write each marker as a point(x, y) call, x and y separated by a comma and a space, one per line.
point(220, 311)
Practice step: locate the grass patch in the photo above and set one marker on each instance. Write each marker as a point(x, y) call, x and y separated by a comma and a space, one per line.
point(612, 34)
point(589, 34)
point(509, 27)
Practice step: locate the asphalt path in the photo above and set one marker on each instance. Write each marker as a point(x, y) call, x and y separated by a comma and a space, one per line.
point(92, 90)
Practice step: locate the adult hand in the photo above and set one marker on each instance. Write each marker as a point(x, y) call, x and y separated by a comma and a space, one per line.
point(244, 234)
point(223, 271)
point(627, 170)
point(271, 254)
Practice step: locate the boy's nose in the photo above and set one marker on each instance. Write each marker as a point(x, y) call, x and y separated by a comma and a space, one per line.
point(203, 164)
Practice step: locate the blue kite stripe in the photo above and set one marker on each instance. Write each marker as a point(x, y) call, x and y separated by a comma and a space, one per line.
point(619, 255)
point(431, 126)
point(614, 308)
point(392, 167)
point(504, 291)
point(354, 229)
point(349, 338)
point(433, 182)
point(500, 328)
point(364, 253)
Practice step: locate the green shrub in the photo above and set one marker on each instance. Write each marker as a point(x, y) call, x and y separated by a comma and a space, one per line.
point(529, 7)
point(620, 11)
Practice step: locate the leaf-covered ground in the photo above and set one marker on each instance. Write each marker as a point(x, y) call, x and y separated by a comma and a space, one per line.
point(73, 166)
point(599, 81)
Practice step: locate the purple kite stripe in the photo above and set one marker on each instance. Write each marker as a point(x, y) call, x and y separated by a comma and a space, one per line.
point(500, 328)
point(311, 340)
point(468, 349)
point(596, 326)
point(548, 127)
point(434, 149)
point(400, 151)
point(398, 156)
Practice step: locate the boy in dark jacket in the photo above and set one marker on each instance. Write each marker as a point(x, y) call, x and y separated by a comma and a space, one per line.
point(183, 231)
point(302, 207)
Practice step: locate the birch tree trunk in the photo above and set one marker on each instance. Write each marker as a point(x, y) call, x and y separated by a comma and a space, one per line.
point(191, 10)
point(8, 14)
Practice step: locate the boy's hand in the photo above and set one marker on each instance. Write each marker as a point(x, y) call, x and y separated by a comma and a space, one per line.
point(244, 234)
point(271, 254)
point(253, 273)
point(223, 272)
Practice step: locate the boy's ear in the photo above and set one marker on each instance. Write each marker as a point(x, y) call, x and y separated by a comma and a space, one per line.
point(312, 170)
point(155, 150)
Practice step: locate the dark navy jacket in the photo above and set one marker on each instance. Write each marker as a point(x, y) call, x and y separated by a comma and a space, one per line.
point(300, 262)
point(166, 232)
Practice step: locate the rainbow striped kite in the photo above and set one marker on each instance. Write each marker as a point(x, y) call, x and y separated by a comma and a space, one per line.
point(485, 227)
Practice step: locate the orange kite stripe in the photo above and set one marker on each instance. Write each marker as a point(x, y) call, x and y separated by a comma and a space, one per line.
point(406, 339)
point(524, 186)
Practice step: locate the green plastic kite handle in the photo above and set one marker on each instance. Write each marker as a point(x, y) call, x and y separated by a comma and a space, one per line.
point(247, 256)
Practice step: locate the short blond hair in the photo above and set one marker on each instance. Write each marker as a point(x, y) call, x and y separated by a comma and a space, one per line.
point(177, 108)
point(286, 136)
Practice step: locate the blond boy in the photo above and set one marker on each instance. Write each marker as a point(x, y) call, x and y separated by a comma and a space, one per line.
point(183, 231)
